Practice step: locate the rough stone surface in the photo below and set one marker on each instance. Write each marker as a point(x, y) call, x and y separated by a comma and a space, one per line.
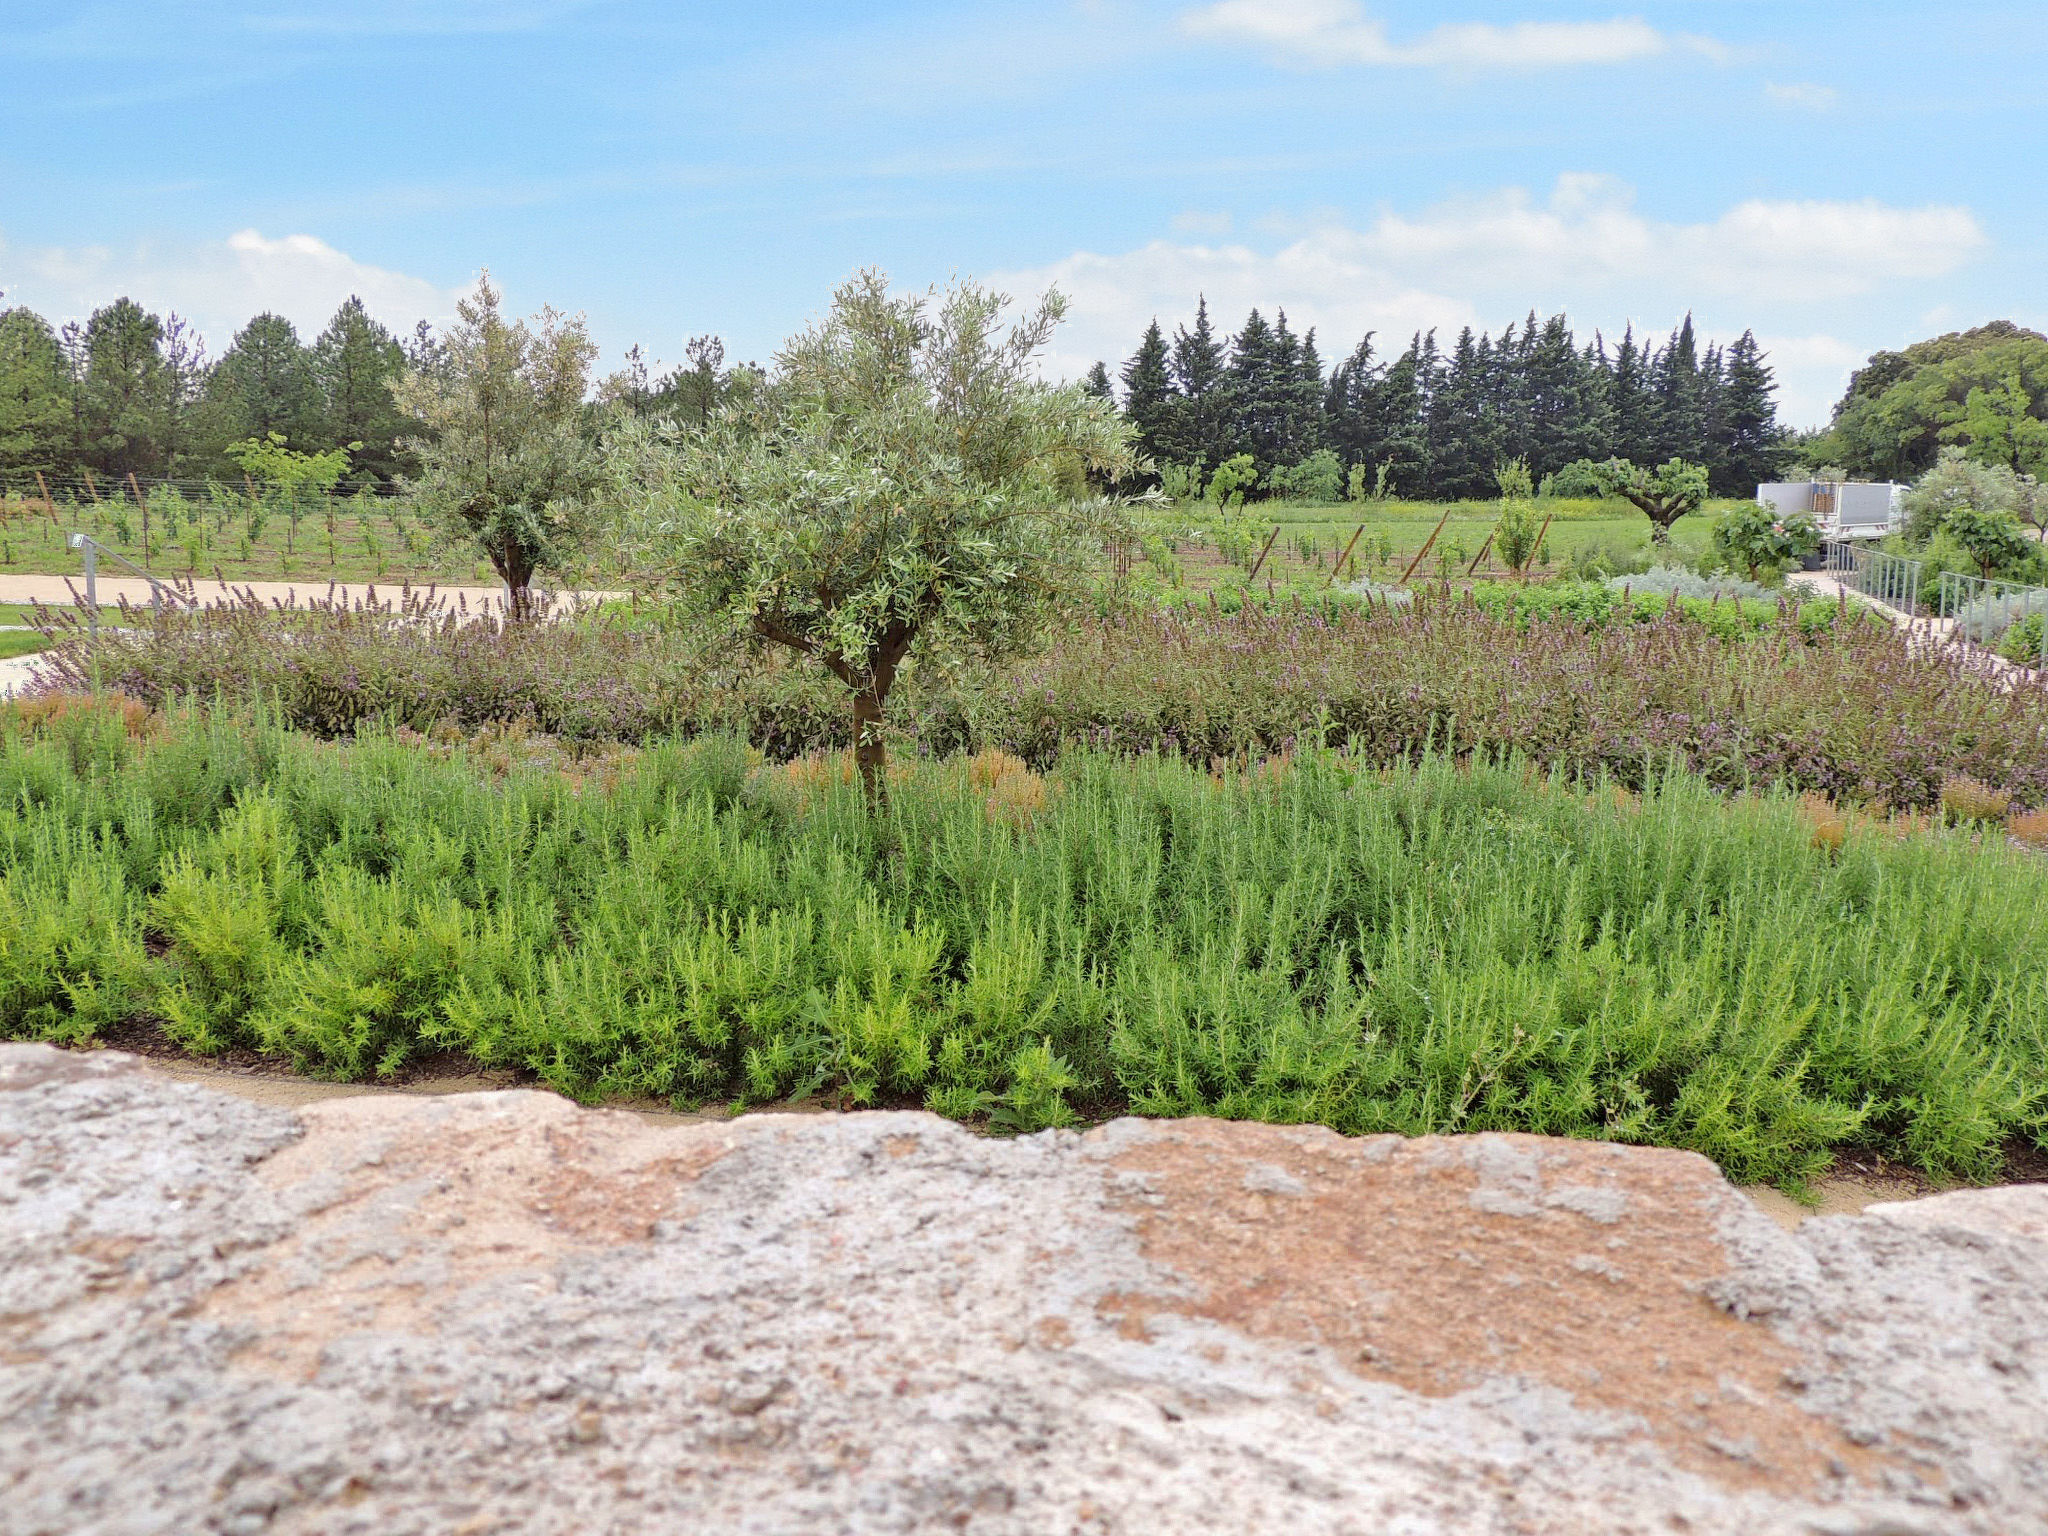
point(497, 1312)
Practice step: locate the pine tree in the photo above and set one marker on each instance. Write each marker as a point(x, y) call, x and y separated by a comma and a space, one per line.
point(1097, 382)
point(35, 405)
point(121, 390)
point(264, 384)
point(184, 379)
point(1150, 399)
point(354, 364)
point(1198, 376)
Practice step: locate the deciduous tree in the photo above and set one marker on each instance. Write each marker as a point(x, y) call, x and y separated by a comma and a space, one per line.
point(1664, 494)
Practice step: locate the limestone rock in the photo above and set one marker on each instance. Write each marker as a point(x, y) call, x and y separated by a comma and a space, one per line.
point(498, 1312)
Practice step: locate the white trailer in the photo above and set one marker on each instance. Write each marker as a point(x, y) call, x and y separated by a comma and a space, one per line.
point(1845, 509)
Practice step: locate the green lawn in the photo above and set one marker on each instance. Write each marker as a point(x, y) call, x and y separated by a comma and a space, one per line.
point(20, 642)
point(1311, 537)
point(350, 539)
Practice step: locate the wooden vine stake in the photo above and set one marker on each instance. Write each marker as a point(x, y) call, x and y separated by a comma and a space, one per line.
point(1536, 548)
point(1338, 569)
point(1427, 545)
point(1253, 575)
point(1482, 551)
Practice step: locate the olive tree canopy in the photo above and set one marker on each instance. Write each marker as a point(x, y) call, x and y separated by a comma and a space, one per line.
point(902, 479)
point(504, 459)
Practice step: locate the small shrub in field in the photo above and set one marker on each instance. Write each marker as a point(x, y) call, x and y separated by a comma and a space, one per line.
point(985, 769)
point(1663, 580)
point(2030, 827)
point(1967, 800)
point(1829, 826)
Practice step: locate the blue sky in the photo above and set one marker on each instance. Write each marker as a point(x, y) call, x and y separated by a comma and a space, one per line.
point(1838, 176)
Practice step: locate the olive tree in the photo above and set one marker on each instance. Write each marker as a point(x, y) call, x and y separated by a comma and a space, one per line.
point(505, 462)
point(1664, 494)
point(902, 480)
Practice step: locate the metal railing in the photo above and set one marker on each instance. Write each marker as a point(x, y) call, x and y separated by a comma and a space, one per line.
point(92, 549)
point(1962, 609)
point(1884, 578)
point(1981, 609)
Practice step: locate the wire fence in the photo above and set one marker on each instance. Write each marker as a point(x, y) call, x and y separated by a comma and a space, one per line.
point(84, 487)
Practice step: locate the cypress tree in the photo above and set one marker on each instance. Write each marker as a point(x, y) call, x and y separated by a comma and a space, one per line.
point(1305, 392)
point(1150, 399)
point(1563, 403)
point(1630, 407)
point(1679, 425)
point(1198, 376)
point(1751, 442)
point(1347, 406)
point(1464, 427)
point(1250, 406)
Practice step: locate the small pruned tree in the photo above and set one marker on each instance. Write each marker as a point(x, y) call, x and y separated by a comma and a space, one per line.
point(1234, 477)
point(902, 480)
point(504, 461)
point(1664, 494)
point(1995, 540)
point(1958, 482)
point(1514, 536)
point(1763, 541)
point(271, 459)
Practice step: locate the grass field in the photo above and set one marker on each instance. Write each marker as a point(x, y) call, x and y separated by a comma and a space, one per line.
point(369, 538)
point(340, 539)
point(1196, 547)
point(16, 642)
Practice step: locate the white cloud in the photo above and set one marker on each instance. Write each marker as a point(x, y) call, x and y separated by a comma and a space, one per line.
point(1586, 249)
point(1802, 93)
point(218, 285)
point(1336, 32)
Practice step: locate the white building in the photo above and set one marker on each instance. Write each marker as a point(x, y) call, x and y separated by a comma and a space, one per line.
point(1845, 509)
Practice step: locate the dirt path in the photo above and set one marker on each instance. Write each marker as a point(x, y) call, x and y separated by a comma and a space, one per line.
point(1840, 1194)
point(111, 590)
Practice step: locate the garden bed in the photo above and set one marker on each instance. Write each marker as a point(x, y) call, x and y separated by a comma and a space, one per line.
point(1442, 946)
point(1808, 697)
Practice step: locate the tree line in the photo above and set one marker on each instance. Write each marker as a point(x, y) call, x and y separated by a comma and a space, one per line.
point(131, 392)
point(1437, 424)
point(1982, 391)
